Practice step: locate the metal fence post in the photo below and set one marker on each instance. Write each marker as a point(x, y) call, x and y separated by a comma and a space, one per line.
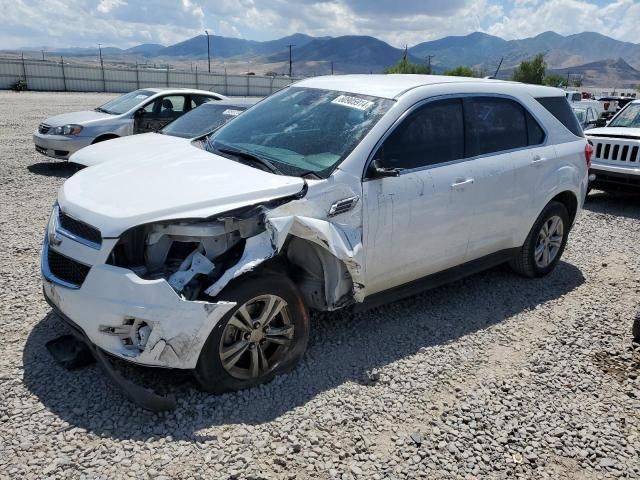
point(64, 78)
point(137, 76)
point(248, 85)
point(104, 82)
point(226, 82)
point(167, 75)
point(271, 86)
point(24, 71)
point(197, 84)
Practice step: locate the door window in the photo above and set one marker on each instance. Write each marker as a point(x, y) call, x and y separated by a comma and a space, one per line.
point(432, 134)
point(172, 105)
point(197, 100)
point(495, 125)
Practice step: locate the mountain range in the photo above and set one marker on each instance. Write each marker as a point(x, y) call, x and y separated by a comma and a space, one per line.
point(597, 57)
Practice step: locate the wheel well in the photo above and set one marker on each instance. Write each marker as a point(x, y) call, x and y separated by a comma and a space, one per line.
point(569, 200)
point(102, 138)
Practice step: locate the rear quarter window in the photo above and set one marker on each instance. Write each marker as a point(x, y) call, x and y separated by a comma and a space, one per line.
point(559, 108)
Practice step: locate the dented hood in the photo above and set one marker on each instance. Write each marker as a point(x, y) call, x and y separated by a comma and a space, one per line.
point(166, 178)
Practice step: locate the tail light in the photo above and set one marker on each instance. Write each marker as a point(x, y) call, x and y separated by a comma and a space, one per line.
point(588, 153)
point(606, 105)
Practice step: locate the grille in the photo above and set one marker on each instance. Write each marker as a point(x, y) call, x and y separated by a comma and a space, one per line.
point(79, 229)
point(617, 150)
point(43, 128)
point(67, 269)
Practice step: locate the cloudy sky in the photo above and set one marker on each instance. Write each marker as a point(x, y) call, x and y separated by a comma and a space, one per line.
point(124, 23)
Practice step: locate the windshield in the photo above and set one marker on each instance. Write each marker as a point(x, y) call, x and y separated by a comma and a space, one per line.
point(202, 120)
point(629, 117)
point(302, 130)
point(125, 103)
point(580, 114)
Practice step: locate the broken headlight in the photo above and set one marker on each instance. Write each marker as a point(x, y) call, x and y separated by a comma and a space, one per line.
point(189, 255)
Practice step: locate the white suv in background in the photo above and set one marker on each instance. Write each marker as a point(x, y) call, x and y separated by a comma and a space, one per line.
point(335, 192)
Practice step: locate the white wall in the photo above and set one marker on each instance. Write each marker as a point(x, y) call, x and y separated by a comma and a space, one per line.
point(50, 76)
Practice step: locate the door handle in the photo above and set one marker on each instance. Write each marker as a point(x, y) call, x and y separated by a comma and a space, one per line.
point(461, 182)
point(538, 160)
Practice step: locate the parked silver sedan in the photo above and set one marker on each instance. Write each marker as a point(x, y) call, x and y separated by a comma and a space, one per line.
point(140, 111)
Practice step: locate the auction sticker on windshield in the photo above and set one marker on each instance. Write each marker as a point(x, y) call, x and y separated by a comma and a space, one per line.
point(353, 102)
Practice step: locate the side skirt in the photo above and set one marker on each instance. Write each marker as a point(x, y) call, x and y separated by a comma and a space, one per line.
point(436, 279)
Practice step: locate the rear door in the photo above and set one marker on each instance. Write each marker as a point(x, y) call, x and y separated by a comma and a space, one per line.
point(506, 143)
point(160, 112)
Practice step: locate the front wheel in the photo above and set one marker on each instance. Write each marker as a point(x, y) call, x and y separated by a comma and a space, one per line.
point(545, 243)
point(265, 334)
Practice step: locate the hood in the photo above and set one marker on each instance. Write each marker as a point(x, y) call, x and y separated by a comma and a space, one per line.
point(81, 118)
point(614, 132)
point(131, 146)
point(168, 179)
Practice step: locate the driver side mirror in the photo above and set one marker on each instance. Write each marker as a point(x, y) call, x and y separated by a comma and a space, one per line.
point(601, 122)
point(138, 113)
point(376, 170)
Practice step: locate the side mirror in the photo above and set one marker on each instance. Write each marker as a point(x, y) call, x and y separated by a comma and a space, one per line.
point(601, 122)
point(376, 170)
point(138, 113)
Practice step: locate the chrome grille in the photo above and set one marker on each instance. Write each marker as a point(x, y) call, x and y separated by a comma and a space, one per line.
point(67, 269)
point(43, 128)
point(79, 229)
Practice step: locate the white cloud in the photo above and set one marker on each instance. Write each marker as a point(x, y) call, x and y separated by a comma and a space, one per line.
point(125, 23)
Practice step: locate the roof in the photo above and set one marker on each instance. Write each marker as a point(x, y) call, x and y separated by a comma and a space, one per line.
point(393, 86)
point(177, 89)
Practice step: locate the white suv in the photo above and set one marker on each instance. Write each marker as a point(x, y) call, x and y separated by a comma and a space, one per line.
point(337, 191)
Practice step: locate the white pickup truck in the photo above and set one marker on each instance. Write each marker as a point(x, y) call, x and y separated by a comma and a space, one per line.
point(603, 109)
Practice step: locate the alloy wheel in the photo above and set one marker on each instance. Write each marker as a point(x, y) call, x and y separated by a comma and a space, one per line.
point(257, 337)
point(549, 241)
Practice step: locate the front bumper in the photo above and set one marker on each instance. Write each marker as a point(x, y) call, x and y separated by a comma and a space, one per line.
point(111, 301)
point(622, 176)
point(59, 146)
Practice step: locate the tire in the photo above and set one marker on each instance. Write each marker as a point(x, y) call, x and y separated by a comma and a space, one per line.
point(526, 262)
point(229, 357)
point(636, 330)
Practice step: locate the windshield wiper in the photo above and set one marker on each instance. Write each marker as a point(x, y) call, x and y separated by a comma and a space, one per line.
point(101, 110)
point(251, 157)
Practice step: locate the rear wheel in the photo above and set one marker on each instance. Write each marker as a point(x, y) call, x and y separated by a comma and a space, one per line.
point(545, 243)
point(265, 334)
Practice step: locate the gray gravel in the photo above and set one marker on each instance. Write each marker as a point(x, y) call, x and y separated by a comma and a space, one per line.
point(495, 376)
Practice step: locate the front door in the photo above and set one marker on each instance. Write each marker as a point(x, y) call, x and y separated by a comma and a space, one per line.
point(418, 223)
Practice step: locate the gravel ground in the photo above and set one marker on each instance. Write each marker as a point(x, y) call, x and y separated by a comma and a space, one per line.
point(495, 376)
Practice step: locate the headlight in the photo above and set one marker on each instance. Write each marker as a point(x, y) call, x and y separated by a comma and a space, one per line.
point(71, 129)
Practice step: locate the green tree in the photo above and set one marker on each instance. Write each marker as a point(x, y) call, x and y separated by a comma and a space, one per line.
point(554, 80)
point(405, 66)
point(531, 72)
point(463, 72)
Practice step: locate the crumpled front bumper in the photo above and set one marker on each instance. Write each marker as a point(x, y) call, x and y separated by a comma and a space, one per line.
point(110, 298)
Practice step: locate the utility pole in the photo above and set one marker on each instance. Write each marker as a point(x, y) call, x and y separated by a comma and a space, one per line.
point(100, 50)
point(208, 50)
point(429, 57)
point(290, 60)
point(104, 83)
point(331, 67)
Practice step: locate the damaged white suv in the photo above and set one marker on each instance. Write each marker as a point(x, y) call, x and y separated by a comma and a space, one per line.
point(337, 191)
